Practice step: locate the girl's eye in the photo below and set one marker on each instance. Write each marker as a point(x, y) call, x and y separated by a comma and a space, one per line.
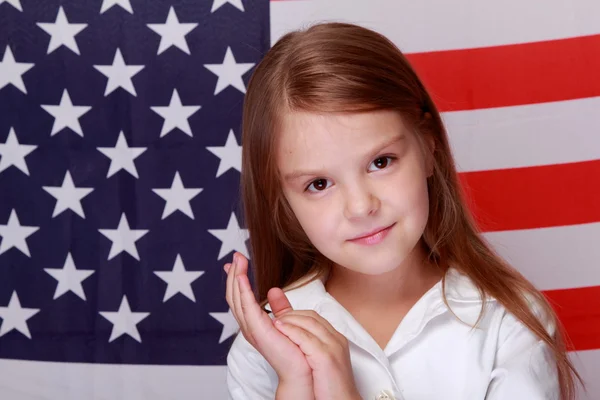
point(318, 184)
point(382, 162)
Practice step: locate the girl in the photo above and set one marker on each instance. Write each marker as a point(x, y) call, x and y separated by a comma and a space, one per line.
point(353, 206)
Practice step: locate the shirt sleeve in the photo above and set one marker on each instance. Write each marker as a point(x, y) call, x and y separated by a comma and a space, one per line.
point(249, 375)
point(525, 367)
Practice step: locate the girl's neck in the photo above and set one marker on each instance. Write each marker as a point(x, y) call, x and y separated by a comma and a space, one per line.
point(405, 284)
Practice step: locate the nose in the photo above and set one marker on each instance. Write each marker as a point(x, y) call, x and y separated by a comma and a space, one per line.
point(361, 201)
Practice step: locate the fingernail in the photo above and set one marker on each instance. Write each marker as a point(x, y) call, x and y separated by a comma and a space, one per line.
point(278, 322)
point(226, 267)
point(234, 258)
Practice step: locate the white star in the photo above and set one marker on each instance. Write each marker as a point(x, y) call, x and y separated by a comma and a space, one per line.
point(230, 154)
point(119, 74)
point(179, 280)
point(172, 33)
point(230, 325)
point(66, 114)
point(68, 196)
point(122, 156)
point(123, 238)
point(232, 238)
point(176, 115)
point(229, 73)
point(15, 317)
point(11, 71)
point(69, 278)
point(15, 3)
point(178, 197)
point(106, 4)
point(62, 32)
point(124, 321)
point(218, 3)
point(15, 235)
point(14, 153)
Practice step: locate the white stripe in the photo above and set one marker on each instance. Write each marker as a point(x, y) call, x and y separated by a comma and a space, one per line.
point(527, 135)
point(427, 25)
point(553, 258)
point(35, 380)
point(587, 364)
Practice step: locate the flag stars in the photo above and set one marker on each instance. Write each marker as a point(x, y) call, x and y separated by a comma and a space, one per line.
point(172, 33)
point(230, 154)
point(11, 72)
point(69, 278)
point(125, 4)
point(122, 156)
point(66, 114)
point(175, 115)
point(123, 238)
point(179, 280)
point(15, 3)
point(229, 73)
point(68, 197)
point(230, 325)
point(13, 153)
point(124, 321)
point(62, 33)
point(178, 197)
point(219, 3)
point(15, 235)
point(119, 74)
point(232, 238)
point(14, 317)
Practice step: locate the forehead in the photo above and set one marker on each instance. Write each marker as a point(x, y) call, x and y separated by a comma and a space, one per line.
point(310, 137)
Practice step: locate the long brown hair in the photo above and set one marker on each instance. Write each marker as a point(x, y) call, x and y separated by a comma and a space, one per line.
point(339, 67)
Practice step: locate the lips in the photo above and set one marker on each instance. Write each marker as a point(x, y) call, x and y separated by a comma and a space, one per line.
point(371, 233)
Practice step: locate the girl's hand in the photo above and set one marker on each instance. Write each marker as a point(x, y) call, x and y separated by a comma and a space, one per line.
point(326, 351)
point(282, 354)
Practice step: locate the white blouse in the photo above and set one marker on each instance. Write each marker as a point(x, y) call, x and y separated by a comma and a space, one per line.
point(431, 355)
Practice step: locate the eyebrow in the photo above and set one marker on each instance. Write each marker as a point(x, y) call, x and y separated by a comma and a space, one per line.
point(299, 174)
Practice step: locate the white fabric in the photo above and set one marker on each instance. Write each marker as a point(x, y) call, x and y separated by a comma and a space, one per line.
point(431, 355)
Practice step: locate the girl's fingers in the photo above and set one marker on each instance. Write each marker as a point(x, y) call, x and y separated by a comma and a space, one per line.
point(318, 318)
point(256, 319)
point(229, 287)
point(230, 295)
point(311, 325)
point(309, 343)
point(237, 304)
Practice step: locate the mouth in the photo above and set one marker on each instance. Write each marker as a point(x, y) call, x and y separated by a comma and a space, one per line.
point(373, 237)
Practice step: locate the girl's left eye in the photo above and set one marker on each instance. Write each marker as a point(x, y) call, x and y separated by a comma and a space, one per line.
point(382, 162)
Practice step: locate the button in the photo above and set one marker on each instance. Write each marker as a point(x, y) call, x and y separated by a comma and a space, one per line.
point(384, 395)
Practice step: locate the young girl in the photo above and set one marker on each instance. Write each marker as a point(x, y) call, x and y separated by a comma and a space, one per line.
point(353, 206)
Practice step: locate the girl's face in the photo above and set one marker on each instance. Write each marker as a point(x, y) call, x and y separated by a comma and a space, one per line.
point(347, 176)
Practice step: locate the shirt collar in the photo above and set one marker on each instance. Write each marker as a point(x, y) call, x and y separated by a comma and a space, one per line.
point(460, 290)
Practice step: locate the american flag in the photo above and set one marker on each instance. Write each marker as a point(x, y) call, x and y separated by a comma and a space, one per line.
point(120, 158)
point(119, 173)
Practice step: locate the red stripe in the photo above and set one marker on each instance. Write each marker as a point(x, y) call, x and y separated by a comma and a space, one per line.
point(509, 75)
point(579, 312)
point(534, 197)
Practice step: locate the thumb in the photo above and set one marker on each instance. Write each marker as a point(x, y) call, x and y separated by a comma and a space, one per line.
point(279, 302)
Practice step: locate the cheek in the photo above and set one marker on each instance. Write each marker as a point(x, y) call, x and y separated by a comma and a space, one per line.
point(409, 196)
point(317, 220)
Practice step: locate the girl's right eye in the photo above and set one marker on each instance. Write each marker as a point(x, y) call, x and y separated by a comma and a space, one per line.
point(318, 184)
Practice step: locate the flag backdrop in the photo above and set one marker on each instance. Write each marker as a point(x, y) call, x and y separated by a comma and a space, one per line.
point(120, 158)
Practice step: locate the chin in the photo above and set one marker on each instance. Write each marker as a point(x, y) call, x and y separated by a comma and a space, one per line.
point(373, 264)
point(385, 260)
